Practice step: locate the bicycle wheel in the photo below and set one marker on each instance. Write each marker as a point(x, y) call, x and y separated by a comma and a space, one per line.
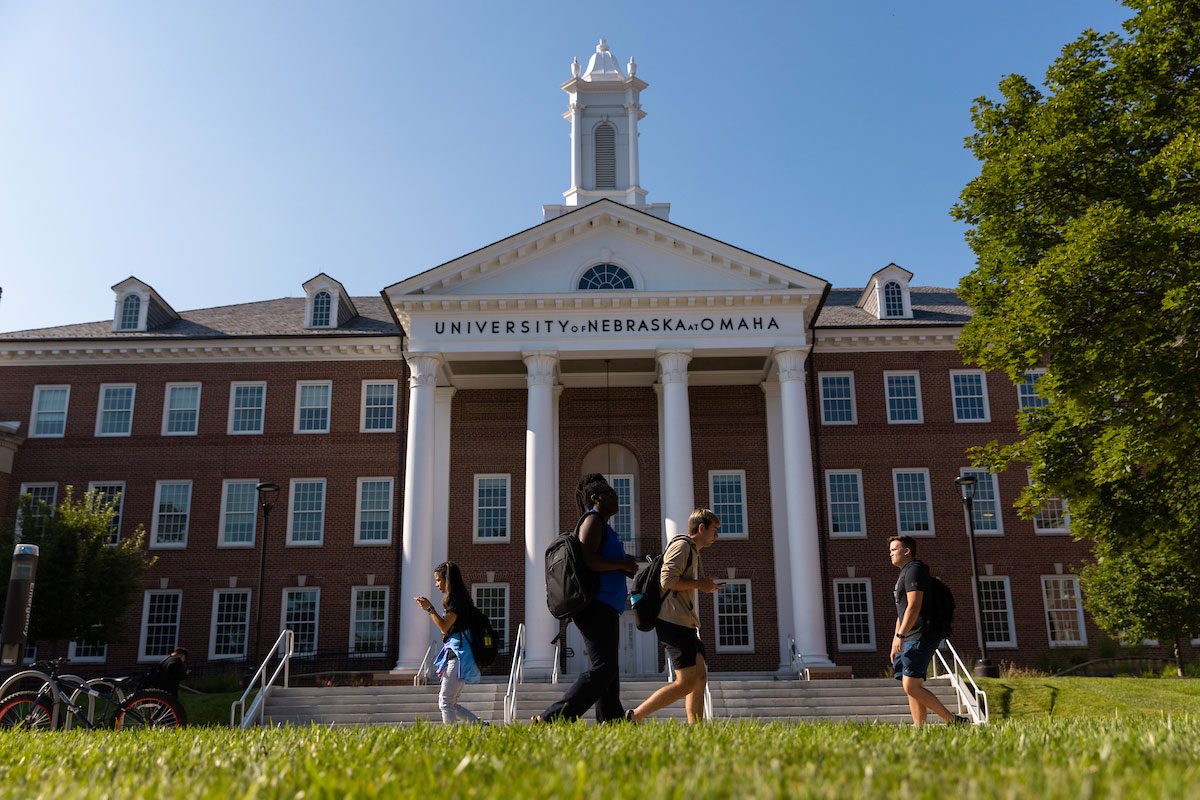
point(26, 710)
point(151, 709)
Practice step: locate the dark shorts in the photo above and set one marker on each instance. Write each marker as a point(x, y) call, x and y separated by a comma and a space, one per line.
point(683, 644)
point(914, 657)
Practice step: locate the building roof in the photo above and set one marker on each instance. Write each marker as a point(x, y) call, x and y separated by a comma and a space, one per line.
point(282, 317)
point(932, 306)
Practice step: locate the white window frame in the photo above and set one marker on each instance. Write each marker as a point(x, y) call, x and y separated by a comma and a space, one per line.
point(362, 414)
point(887, 408)
point(853, 398)
point(387, 599)
point(475, 537)
point(74, 658)
point(928, 500)
point(233, 387)
point(995, 481)
point(142, 657)
point(862, 510)
point(92, 485)
point(1011, 642)
point(221, 541)
point(283, 620)
point(292, 510)
point(300, 385)
point(837, 620)
point(501, 632)
point(212, 627)
point(628, 505)
point(987, 406)
point(747, 648)
point(158, 487)
point(1066, 518)
point(1021, 406)
point(333, 309)
point(104, 387)
point(33, 413)
point(27, 488)
point(358, 511)
point(740, 473)
point(1082, 641)
point(167, 407)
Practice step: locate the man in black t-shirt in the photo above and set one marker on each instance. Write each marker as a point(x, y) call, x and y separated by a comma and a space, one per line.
point(912, 648)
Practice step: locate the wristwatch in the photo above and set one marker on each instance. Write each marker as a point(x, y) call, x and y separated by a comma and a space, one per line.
point(899, 635)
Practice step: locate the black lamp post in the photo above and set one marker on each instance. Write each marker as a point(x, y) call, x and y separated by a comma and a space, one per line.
point(985, 668)
point(267, 494)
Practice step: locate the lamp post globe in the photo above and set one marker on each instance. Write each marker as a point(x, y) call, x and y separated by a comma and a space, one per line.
point(984, 668)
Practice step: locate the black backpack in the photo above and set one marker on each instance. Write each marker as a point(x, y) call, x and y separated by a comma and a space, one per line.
point(570, 586)
point(485, 644)
point(938, 609)
point(646, 599)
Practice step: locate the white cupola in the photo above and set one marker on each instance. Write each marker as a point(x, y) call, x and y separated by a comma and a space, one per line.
point(604, 108)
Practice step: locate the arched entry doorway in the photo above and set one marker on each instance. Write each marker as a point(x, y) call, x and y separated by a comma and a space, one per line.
point(639, 653)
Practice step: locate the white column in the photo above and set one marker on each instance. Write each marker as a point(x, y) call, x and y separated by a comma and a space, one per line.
point(804, 553)
point(441, 466)
point(631, 109)
point(416, 570)
point(541, 521)
point(576, 146)
point(678, 490)
point(779, 522)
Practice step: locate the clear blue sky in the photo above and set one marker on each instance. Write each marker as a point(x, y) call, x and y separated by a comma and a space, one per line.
point(225, 151)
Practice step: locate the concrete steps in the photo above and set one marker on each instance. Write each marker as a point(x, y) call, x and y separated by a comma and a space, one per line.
point(871, 700)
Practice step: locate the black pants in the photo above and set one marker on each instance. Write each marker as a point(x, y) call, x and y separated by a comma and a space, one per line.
point(600, 626)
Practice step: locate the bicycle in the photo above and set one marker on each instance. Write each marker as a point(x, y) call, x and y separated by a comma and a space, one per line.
point(125, 705)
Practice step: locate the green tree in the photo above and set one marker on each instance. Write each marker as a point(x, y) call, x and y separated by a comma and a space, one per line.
point(1085, 223)
point(84, 582)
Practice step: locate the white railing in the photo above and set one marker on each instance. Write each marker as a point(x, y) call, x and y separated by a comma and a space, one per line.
point(708, 706)
point(287, 643)
point(557, 653)
point(422, 676)
point(797, 660)
point(973, 700)
point(515, 676)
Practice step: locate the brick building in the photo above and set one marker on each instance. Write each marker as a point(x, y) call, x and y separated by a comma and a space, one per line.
point(453, 416)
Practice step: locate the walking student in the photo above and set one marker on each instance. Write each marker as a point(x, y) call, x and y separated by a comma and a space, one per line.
point(455, 663)
point(678, 626)
point(599, 622)
point(913, 645)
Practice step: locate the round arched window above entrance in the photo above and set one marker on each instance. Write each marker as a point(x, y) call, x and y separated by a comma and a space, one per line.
point(605, 276)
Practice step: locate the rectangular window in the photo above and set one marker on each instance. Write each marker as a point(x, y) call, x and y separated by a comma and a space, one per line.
point(734, 615)
point(160, 624)
point(181, 409)
point(86, 651)
point(110, 493)
point(247, 404)
point(114, 413)
point(986, 504)
point(491, 508)
point(995, 607)
point(837, 398)
point(727, 493)
point(43, 499)
point(913, 513)
point(312, 406)
point(172, 508)
point(970, 396)
point(301, 612)
point(492, 600)
point(230, 623)
point(903, 397)
point(373, 517)
point(1052, 517)
point(1027, 393)
point(844, 490)
point(855, 614)
point(306, 522)
point(239, 513)
point(49, 416)
point(624, 522)
point(378, 407)
point(1064, 611)
point(368, 620)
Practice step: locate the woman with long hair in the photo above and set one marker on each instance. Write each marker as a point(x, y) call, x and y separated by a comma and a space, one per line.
point(455, 663)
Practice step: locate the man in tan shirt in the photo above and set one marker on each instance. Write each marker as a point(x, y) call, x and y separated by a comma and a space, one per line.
point(678, 625)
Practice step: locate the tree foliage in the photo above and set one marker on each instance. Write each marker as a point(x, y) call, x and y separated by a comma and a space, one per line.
point(84, 583)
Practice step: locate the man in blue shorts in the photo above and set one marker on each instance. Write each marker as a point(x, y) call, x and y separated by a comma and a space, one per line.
point(912, 646)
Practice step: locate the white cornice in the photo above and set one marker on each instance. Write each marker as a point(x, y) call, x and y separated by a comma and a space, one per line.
point(259, 350)
point(867, 340)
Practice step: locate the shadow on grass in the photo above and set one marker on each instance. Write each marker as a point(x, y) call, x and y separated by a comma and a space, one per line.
point(1004, 695)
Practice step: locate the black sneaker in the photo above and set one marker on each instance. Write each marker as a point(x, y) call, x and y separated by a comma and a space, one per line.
point(629, 716)
point(957, 720)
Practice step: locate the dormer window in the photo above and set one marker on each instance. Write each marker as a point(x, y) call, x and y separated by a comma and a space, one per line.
point(893, 300)
point(327, 305)
point(321, 305)
point(887, 294)
point(605, 276)
point(139, 308)
point(131, 313)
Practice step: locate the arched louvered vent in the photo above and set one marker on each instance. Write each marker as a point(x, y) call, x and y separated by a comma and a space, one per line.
point(131, 309)
point(893, 300)
point(606, 156)
point(321, 310)
point(605, 276)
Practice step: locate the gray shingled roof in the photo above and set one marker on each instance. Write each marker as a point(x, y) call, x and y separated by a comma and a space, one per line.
point(282, 317)
point(932, 306)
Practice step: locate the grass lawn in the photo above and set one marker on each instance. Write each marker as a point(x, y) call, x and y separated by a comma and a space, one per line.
point(1027, 698)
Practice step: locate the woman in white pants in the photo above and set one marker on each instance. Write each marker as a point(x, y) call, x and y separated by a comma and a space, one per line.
point(455, 663)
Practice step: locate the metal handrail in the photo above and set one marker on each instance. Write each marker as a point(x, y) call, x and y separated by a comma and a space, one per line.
point(422, 676)
point(255, 717)
point(557, 653)
point(797, 658)
point(515, 675)
point(974, 700)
